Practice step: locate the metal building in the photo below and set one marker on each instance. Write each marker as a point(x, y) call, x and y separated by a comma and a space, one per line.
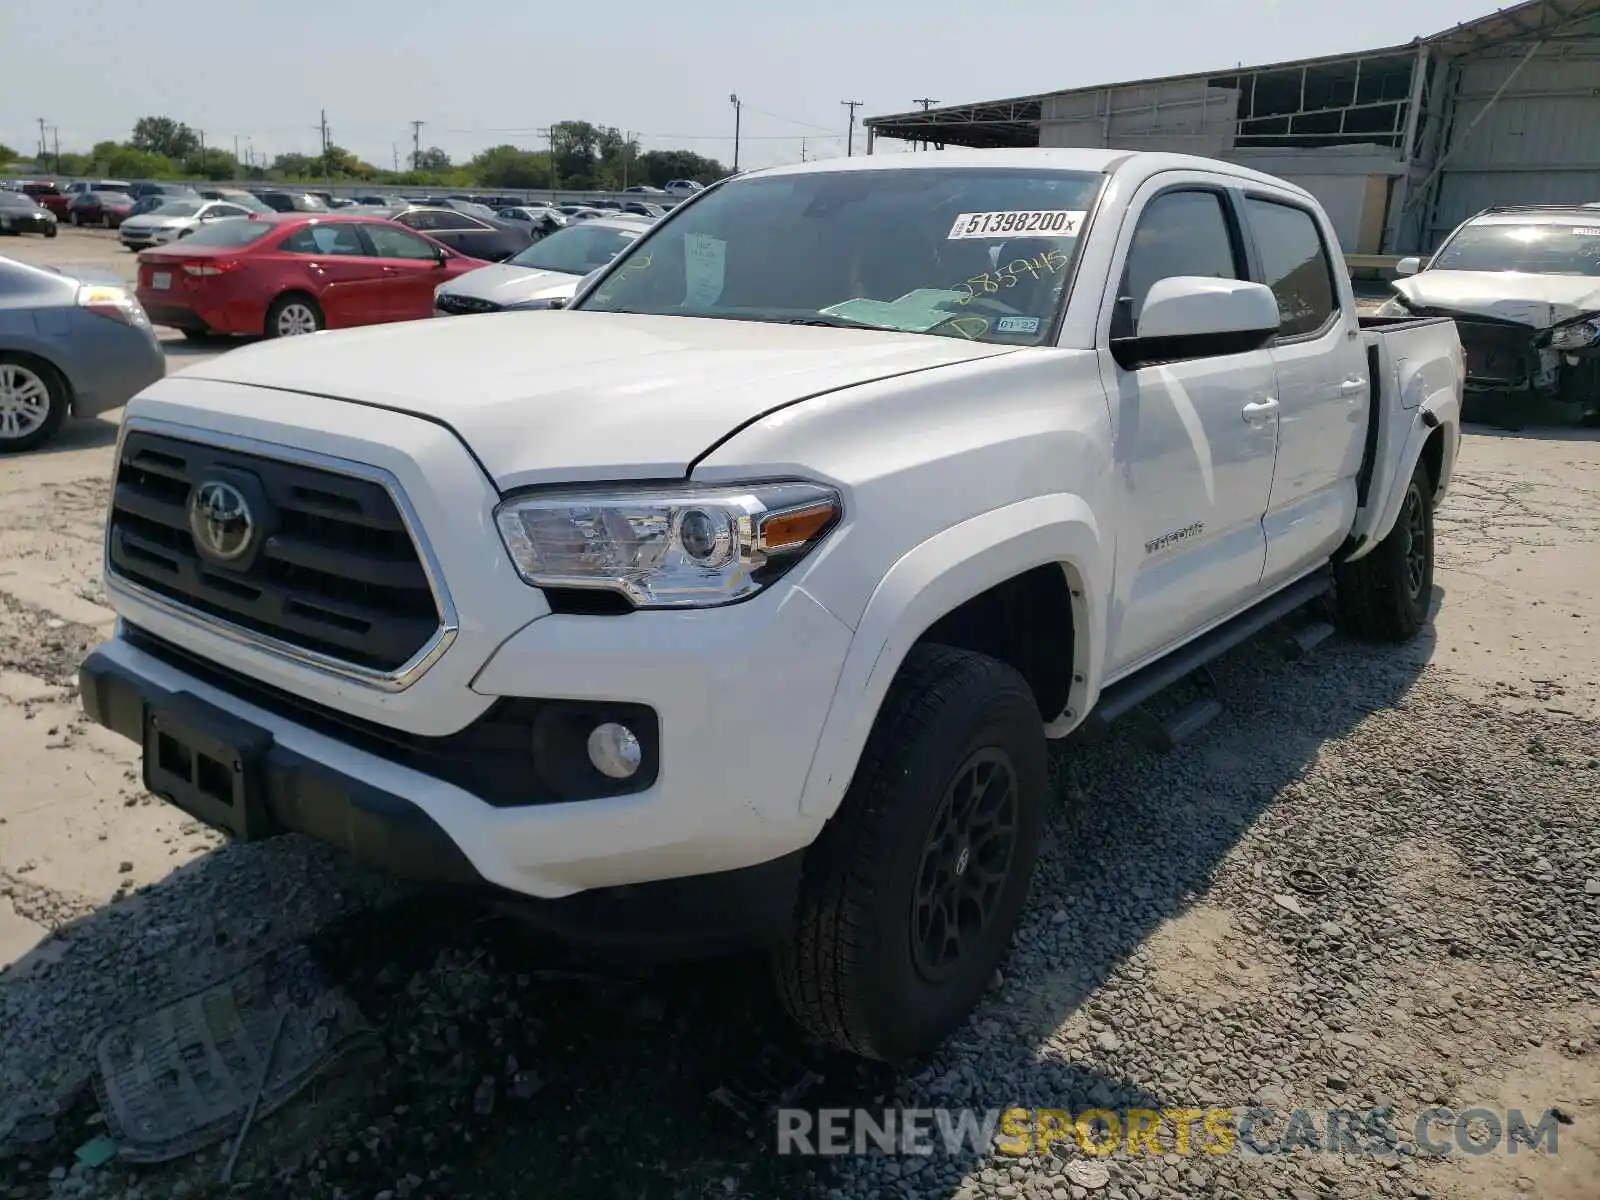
point(1399, 143)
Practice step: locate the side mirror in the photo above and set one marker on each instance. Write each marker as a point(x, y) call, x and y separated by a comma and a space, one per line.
point(1408, 266)
point(441, 256)
point(1198, 317)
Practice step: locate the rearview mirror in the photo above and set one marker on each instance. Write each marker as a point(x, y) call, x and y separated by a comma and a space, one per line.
point(1192, 316)
point(1408, 266)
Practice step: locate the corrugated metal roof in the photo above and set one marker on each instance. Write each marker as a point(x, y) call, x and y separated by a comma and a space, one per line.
point(1014, 121)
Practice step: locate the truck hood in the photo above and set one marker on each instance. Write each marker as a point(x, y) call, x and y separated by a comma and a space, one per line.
point(1535, 300)
point(507, 285)
point(543, 397)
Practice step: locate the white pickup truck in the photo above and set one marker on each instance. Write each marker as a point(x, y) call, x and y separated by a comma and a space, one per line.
point(734, 603)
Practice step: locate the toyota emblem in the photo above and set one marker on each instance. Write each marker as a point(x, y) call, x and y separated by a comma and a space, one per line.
point(221, 521)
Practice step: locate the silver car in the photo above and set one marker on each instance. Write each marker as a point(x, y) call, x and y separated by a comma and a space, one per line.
point(69, 345)
point(173, 220)
point(546, 273)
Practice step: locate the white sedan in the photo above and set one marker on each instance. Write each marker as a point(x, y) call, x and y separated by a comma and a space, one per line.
point(173, 220)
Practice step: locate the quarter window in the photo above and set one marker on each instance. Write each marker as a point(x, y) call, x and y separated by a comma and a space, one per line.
point(1179, 233)
point(1294, 264)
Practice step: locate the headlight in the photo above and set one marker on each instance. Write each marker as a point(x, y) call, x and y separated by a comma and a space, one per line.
point(693, 546)
point(1393, 307)
point(1579, 335)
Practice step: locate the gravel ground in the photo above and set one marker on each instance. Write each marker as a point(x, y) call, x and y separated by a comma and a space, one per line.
point(1444, 799)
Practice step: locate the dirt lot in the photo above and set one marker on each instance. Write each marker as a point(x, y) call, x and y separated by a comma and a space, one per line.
point(1445, 797)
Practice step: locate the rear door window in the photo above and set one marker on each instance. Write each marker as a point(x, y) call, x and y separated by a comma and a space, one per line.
point(1294, 264)
point(325, 240)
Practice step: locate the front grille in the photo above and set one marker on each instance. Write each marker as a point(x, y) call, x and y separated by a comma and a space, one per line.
point(449, 302)
point(330, 567)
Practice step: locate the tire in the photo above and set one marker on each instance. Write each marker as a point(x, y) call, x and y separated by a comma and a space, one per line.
point(25, 383)
point(1385, 595)
point(281, 319)
point(198, 335)
point(855, 970)
point(49, 231)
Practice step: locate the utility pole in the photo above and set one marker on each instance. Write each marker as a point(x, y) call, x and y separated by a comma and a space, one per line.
point(738, 111)
point(236, 147)
point(850, 140)
point(549, 135)
point(416, 145)
point(926, 105)
point(627, 147)
point(394, 148)
point(44, 148)
point(55, 134)
point(802, 150)
point(202, 134)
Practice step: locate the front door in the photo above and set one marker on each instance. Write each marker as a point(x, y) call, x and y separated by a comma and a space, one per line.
point(1323, 389)
point(410, 268)
point(1195, 439)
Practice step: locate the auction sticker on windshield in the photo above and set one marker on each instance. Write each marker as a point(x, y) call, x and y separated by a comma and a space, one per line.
point(705, 259)
point(1058, 221)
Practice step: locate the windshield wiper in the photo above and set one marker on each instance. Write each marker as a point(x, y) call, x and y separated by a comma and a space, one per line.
point(840, 323)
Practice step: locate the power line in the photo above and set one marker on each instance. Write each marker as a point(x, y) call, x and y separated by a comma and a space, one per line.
point(788, 120)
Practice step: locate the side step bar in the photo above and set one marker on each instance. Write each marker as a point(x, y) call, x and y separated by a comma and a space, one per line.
point(1127, 694)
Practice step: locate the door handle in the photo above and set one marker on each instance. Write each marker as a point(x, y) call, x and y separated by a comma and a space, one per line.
point(1351, 386)
point(1258, 410)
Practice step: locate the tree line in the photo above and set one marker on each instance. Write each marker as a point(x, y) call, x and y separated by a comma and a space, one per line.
point(580, 157)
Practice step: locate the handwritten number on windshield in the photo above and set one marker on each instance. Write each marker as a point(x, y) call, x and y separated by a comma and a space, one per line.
point(1050, 262)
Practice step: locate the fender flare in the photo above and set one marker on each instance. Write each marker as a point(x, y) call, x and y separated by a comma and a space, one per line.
point(1441, 414)
point(932, 579)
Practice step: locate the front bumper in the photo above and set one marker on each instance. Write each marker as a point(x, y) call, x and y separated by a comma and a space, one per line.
point(249, 772)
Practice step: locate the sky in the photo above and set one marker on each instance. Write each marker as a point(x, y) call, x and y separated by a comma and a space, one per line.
point(489, 72)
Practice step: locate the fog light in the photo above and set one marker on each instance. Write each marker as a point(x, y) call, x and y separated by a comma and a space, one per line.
point(614, 750)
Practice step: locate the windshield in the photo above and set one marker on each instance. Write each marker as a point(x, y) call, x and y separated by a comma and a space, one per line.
point(177, 208)
point(240, 232)
point(1539, 249)
point(979, 253)
point(16, 200)
point(576, 250)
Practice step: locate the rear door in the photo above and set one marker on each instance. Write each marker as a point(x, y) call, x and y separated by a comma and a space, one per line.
point(410, 270)
point(1321, 367)
point(346, 280)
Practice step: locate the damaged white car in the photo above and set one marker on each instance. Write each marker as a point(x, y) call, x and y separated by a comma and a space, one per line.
point(1523, 285)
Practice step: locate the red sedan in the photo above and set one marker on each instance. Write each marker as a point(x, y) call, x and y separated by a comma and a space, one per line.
point(99, 208)
point(281, 274)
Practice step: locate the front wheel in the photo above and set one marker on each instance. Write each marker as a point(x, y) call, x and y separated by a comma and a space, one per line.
point(50, 231)
point(1385, 595)
point(913, 890)
point(33, 403)
point(293, 315)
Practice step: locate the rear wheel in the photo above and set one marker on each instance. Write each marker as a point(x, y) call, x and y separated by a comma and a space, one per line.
point(913, 890)
point(293, 315)
point(1385, 595)
point(33, 403)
